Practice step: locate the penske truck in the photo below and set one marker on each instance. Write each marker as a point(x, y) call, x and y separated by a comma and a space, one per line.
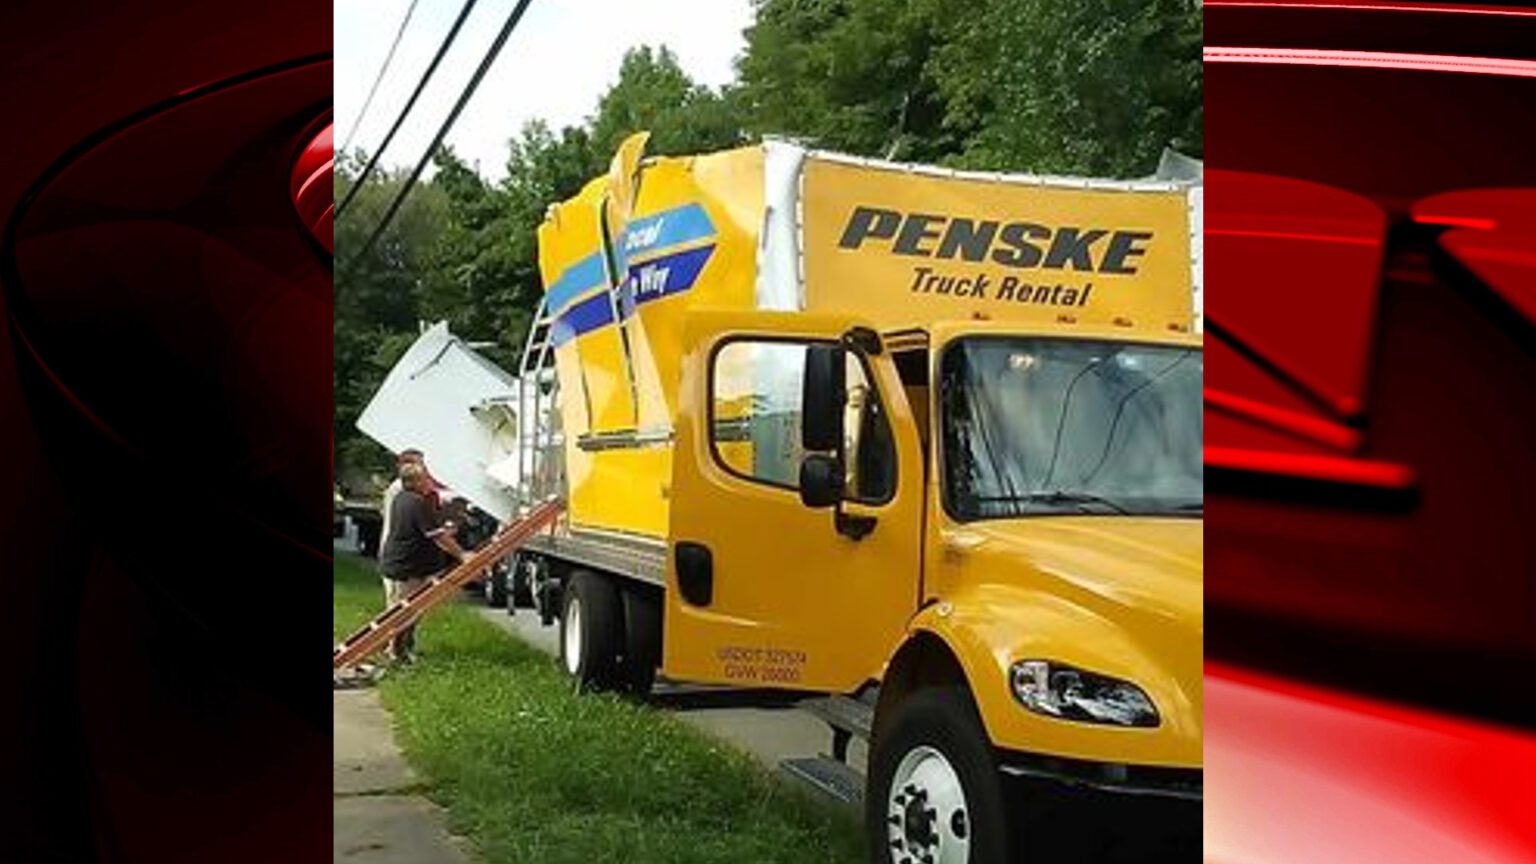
point(920, 443)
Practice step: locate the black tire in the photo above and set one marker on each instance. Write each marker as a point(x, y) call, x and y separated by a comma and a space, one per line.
point(520, 584)
point(642, 642)
point(943, 719)
point(547, 593)
point(591, 604)
point(495, 588)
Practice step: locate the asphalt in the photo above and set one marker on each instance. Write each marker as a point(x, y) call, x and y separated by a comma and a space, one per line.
point(378, 816)
point(763, 723)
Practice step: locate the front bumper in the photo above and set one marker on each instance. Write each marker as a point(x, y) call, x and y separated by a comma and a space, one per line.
point(1070, 810)
point(1181, 784)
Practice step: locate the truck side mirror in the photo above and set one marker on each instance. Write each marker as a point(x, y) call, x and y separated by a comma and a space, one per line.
point(821, 480)
point(824, 399)
point(824, 390)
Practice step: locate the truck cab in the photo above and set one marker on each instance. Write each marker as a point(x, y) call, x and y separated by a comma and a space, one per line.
point(994, 530)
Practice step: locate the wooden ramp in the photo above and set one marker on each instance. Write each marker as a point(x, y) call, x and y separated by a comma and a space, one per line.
point(374, 635)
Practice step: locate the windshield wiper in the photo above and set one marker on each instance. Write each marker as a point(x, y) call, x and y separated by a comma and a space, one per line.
point(1062, 496)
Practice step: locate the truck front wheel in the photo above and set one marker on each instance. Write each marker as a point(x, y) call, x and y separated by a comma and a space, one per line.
point(589, 630)
point(934, 793)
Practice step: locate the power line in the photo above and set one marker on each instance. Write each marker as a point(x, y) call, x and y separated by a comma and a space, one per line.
point(373, 160)
point(442, 131)
point(379, 78)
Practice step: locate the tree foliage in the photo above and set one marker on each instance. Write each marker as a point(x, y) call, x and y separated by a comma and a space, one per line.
point(653, 92)
point(376, 297)
point(849, 76)
point(1094, 87)
point(1097, 87)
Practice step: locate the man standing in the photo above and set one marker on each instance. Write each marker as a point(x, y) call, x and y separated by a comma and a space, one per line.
point(413, 550)
point(408, 456)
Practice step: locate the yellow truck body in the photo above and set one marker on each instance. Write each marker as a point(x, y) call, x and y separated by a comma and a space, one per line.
point(630, 257)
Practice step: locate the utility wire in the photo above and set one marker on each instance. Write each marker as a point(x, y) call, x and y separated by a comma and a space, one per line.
point(442, 131)
point(346, 143)
point(373, 160)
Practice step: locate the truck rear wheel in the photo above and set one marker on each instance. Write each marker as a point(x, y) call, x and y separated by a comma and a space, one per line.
point(589, 630)
point(494, 588)
point(934, 794)
point(520, 583)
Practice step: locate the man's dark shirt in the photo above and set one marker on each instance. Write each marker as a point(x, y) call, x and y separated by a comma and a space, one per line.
point(409, 551)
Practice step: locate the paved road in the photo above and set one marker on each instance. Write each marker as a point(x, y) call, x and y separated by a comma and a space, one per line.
point(763, 723)
point(377, 817)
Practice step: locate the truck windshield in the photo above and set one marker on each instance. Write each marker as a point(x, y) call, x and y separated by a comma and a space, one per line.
point(1056, 426)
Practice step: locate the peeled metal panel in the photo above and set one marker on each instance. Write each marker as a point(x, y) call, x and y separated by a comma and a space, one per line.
point(779, 286)
point(433, 400)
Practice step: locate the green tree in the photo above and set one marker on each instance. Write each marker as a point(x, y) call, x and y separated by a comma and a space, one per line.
point(377, 297)
point(476, 267)
point(849, 76)
point(1094, 87)
point(654, 93)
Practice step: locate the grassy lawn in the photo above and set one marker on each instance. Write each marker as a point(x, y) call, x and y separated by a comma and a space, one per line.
point(532, 772)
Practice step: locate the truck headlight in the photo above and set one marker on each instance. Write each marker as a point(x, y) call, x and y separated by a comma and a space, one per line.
point(1057, 690)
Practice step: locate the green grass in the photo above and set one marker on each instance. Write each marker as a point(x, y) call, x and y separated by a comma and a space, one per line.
point(532, 772)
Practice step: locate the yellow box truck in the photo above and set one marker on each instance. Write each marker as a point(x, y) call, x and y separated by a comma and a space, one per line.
point(923, 441)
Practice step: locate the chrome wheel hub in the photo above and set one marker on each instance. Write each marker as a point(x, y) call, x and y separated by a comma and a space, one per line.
point(927, 821)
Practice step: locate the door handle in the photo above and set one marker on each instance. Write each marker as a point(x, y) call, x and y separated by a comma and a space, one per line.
point(695, 572)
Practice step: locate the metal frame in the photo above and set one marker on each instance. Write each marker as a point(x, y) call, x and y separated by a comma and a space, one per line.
point(642, 560)
point(538, 442)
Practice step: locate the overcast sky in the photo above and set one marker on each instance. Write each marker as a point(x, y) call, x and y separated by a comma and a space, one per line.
point(559, 60)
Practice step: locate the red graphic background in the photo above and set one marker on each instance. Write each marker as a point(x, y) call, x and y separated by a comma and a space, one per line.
point(1371, 408)
point(165, 404)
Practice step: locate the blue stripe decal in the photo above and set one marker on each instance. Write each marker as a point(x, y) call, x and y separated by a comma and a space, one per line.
point(584, 317)
point(650, 234)
point(577, 278)
point(663, 277)
point(649, 272)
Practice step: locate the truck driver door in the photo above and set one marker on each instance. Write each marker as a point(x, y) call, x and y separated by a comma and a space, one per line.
point(763, 589)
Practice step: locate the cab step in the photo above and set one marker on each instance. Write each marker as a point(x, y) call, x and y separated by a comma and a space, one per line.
point(848, 717)
point(843, 712)
point(828, 776)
